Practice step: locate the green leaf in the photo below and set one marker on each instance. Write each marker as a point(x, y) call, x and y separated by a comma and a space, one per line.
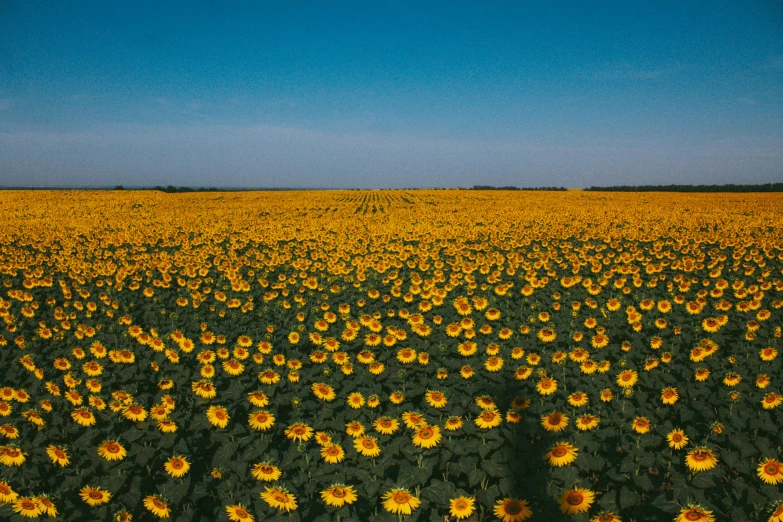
point(643, 482)
point(476, 476)
point(488, 496)
point(666, 505)
point(628, 498)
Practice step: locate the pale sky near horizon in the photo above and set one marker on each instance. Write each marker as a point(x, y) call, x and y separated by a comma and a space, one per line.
point(390, 94)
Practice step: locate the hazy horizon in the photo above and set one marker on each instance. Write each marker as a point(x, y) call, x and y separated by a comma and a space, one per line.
point(390, 94)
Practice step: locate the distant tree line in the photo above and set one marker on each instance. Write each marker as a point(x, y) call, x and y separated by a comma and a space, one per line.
point(490, 187)
point(768, 187)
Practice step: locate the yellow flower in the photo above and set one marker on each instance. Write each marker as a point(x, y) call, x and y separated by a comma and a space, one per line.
point(700, 459)
point(157, 506)
point(279, 498)
point(770, 471)
point(677, 439)
point(218, 416)
point(177, 466)
point(238, 513)
point(112, 450)
point(510, 510)
point(427, 437)
point(461, 507)
point(561, 454)
point(338, 495)
point(94, 496)
point(400, 501)
point(367, 446)
point(577, 500)
point(266, 472)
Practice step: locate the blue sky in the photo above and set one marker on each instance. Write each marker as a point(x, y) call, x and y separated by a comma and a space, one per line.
point(390, 94)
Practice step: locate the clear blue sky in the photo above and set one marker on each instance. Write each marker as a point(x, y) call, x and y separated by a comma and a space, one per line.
point(390, 94)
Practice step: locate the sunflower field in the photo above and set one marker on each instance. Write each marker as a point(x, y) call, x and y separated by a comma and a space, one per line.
point(391, 355)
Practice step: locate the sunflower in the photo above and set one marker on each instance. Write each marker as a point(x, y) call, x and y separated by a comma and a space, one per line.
point(554, 421)
point(771, 401)
point(218, 416)
point(406, 355)
point(768, 354)
point(488, 419)
point(332, 454)
point(677, 439)
point(700, 459)
point(338, 495)
point(135, 413)
point(299, 432)
point(606, 395)
point(157, 506)
point(587, 422)
point(11, 456)
point(269, 376)
point(561, 454)
point(701, 374)
point(546, 386)
point(177, 466)
point(641, 425)
point(627, 378)
point(167, 426)
point(732, 379)
point(435, 399)
point(669, 395)
point(577, 399)
point(546, 335)
point(355, 400)
point(693, 513)
point(577, 500)
point(511, 510)
point(83, 417)
point(323, 391)
point(770, 471)
point(398, 500)
point(367, 446)
point(112, 450)
point(461, 507)
point(238, 513)
point(27, 507)
point(266, 472)
point(606, 516)
point(354, 429)
point(279, 498)
point(261, 420)
point(94, 496)
point(427, 437)
point(453, 424)
point(413, 420)
point(46, 506)
point(7, 494)
point(386, 425)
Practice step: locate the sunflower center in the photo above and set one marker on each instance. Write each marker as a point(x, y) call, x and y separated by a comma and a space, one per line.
point(401, 497)
point(367, 443)
point(28, 505)
point(559, 451)
point(96, 495)
point(159, 504)
point(513, 508)
point(772, 469)
point(112, 448)
point(338, 493)
point(693, 515)
point(574, 499)
point(426, 433)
